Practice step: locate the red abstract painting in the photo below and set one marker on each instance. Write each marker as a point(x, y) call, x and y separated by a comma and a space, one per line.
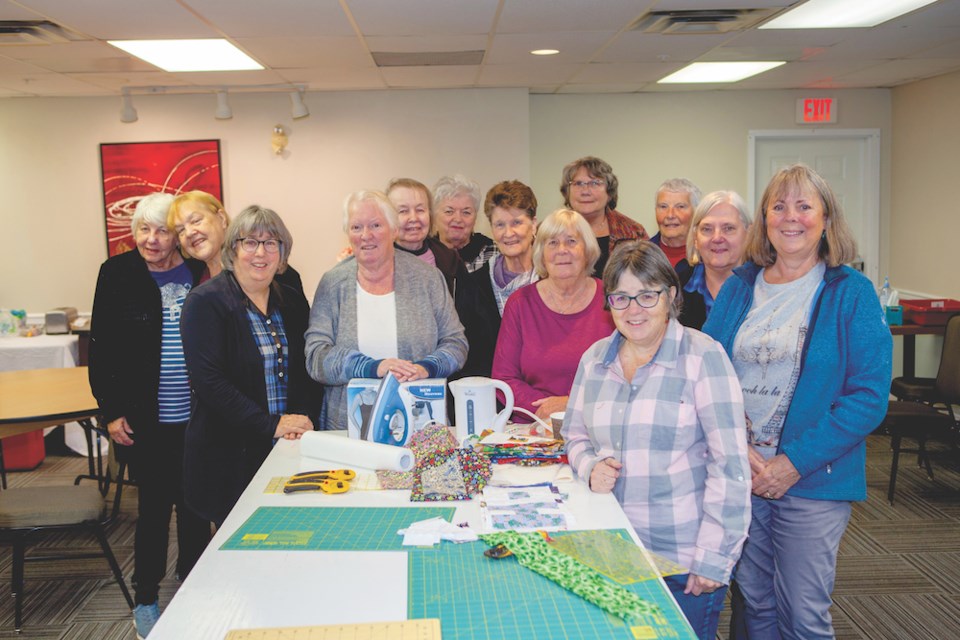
point(133, 170)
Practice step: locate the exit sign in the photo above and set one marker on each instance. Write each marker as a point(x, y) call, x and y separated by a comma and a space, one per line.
point(816, 110)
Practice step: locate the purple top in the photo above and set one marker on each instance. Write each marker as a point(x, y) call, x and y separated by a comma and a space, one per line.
point(538, 350)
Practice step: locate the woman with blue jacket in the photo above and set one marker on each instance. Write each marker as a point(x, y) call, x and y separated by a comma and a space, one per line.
point(808, 340)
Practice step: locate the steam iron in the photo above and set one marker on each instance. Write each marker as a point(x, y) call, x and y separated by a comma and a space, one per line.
point(388, 419)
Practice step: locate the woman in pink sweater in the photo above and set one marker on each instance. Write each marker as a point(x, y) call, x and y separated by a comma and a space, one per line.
point(548, 325)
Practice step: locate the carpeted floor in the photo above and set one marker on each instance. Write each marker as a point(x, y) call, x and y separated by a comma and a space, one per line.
point(898, 575)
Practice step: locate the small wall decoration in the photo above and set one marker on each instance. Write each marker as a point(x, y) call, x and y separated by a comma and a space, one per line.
point(132, 170)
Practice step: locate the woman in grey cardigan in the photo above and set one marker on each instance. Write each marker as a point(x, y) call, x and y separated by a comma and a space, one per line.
point(380, 311)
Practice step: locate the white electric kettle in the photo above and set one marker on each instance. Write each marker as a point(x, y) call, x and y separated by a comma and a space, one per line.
point(475, 405)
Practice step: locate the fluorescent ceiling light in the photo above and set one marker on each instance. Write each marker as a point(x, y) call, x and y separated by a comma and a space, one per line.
point(545, 52)
point(718, 72)
point(189, 55)
point(841, 14)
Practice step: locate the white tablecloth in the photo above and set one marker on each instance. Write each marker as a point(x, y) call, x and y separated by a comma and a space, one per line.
point(40, 352)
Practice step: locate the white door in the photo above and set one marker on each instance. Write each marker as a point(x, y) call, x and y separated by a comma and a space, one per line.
point(849, 160)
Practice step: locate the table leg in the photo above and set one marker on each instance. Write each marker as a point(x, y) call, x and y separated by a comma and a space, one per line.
point(909, 356)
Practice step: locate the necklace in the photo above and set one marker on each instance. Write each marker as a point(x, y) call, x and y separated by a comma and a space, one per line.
point(565, 305)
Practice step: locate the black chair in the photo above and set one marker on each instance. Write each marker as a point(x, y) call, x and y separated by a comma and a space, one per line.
point(29, 511)
point(925, 389)
point(97, 470)
point(925, 409)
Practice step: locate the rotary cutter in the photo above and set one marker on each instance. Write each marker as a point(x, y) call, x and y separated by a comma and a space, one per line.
point(334, 481)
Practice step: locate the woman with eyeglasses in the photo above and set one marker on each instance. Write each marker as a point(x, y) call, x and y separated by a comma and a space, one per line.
point(716, 245)
point(379, 311)
point(656, 417)
point(590, 188)
point(243, 343)
point(548, 325)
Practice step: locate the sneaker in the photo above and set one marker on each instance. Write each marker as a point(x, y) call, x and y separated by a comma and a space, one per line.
point(144, 617)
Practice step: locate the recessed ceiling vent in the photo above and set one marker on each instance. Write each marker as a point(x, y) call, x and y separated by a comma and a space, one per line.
point(427, 58)
point(21, 32)
point(700, 21)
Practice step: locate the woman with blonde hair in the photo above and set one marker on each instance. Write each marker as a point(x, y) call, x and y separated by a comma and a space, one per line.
point(548, 325)
point(808, 340)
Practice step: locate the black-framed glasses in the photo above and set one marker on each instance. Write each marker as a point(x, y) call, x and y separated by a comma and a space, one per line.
point(646, 299)
point(250, 245)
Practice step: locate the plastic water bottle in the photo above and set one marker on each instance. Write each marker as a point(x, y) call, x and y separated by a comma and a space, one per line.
point(885, 293)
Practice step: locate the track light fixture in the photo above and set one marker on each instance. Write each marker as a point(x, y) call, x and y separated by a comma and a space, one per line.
point(299, 109)
point(127, 112)
point(224, 112)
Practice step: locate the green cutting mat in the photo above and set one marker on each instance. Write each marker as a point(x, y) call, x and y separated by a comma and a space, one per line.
point(329, 528)
point(477, 598)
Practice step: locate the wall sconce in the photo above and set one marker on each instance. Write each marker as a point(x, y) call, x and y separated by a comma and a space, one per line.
point(299, 109)
point(278, 139)
point(224, 112)
point(127, 112)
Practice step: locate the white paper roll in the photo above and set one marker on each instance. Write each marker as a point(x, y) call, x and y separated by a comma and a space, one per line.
point(347, 452)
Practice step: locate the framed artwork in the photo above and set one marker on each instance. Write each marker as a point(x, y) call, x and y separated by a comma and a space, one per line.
point(132, 170)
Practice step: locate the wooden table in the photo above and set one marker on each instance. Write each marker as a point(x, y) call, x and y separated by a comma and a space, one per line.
point(910, 333)
point(38, 398)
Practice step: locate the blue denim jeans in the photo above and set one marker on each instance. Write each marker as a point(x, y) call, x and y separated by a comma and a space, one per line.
point(702, 611)
point(788, 566)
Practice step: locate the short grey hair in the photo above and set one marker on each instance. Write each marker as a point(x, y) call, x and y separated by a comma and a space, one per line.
point(379, 198)
point(452, 186)
point(710, 201)
point(649, 264)
point(152, 209)
point(560, 221)
point(256, 220)
point(680, 185)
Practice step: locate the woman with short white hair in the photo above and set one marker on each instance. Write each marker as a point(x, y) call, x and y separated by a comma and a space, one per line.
point(379, 311)
point(456, 201)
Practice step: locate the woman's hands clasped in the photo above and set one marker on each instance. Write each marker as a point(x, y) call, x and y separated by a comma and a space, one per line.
point(292, 426)
point(772, 478)
point(120, 431)
point(403, 370)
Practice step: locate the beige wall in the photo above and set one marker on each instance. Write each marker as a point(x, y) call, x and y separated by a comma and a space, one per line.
point(50, 171)
point(650, 137)
point(50, 174)
point(925, 225)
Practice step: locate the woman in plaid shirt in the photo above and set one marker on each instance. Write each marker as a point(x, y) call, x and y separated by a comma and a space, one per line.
point(656, 416)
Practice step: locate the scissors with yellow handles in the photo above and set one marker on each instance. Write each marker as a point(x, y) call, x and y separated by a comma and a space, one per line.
point(332, 481)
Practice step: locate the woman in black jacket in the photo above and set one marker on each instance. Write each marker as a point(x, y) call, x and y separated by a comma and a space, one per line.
point(138, 376)
point(243, 342)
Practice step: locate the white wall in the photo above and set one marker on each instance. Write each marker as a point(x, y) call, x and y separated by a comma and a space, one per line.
point(50, 168)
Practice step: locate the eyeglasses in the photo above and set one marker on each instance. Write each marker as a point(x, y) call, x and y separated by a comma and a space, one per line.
point(646, 299)
point(587, 184)
point(250, 245)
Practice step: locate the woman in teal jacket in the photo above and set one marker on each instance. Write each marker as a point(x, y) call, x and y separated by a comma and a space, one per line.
point(813, 353)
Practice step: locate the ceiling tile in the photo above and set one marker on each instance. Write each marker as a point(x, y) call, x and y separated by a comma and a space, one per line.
point(894, 72)
point(510, 48)
point(335, 78)
point(123, 19)
point(536, 16)
point(418, 44)
point(302, 51)
point(77, 57)
point(599, 88)
point(393, 18)
point(634, 46)
point(274, 19)
point(518, 75)
point(623, 72)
